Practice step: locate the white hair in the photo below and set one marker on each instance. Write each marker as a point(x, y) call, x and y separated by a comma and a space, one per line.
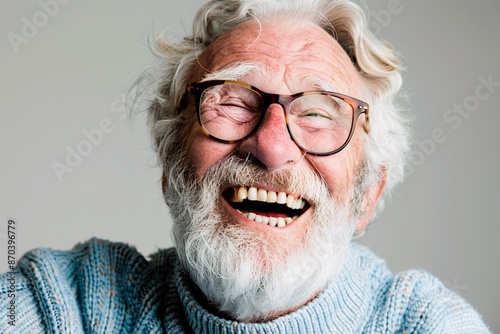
point(387, 145)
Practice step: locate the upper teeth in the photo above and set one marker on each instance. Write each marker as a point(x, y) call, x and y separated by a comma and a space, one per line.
point(256, 194)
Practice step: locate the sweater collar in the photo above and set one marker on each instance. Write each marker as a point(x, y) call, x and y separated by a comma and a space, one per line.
point(342, 307)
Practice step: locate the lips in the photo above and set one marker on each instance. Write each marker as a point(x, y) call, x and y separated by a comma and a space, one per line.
point(276, 209)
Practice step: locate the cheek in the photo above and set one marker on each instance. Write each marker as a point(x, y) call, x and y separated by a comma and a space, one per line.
point(335, 171)
point(204, 152)
point(339, 169)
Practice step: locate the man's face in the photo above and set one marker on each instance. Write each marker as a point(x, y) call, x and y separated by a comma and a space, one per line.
point(247, 269)
point(293, 56)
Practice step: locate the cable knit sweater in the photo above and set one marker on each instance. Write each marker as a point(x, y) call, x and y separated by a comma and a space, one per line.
point(104, 287)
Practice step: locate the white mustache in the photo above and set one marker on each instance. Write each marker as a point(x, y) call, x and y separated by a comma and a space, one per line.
point(233, 171)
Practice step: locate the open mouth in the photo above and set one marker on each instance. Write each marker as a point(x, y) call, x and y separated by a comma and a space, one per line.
point(277, 209)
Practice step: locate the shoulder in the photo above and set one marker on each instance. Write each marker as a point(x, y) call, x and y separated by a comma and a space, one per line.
point(417, 302)
point(412, 301)
point(92, 255)
point(423, 304)
point(80, 288)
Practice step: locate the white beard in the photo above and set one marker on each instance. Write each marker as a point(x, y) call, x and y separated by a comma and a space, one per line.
point(246, 273)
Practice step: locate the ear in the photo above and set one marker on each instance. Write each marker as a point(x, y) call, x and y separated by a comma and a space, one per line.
point(369, 203)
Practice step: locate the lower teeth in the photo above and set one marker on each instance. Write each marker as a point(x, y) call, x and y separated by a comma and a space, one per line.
point(271, 221)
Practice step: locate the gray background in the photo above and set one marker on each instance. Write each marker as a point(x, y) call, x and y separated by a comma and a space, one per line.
point(68, 76)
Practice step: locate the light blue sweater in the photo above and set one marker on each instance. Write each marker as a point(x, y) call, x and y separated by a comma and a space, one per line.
point(104, 287)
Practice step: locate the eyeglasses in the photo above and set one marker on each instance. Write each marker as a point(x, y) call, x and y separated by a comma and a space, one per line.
point(319, 122)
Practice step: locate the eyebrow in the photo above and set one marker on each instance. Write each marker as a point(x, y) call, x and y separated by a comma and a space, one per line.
point(239, 70)
point(319, 83)
point(233, 72)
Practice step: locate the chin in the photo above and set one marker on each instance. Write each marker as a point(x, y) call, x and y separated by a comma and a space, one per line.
point(252, 268)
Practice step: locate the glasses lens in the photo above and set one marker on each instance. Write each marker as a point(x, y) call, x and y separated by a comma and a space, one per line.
point(229, 111)
point(320, 123)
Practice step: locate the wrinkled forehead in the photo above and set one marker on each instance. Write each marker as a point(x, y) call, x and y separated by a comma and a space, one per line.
point(283, 49)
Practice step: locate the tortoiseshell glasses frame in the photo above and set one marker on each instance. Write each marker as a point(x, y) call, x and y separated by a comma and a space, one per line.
point(319, 122)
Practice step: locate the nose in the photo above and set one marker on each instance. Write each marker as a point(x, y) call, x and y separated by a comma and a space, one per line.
point(271, 144)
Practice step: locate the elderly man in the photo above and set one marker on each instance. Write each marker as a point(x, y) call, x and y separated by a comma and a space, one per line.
point(278, 132)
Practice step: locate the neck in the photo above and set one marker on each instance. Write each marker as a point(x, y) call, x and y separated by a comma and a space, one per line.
point(210, 307)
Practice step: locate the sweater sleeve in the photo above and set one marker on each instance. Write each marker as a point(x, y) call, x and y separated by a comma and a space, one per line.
point(18, 309)
point(38, 296)
point(419, 303)
point(88, 289)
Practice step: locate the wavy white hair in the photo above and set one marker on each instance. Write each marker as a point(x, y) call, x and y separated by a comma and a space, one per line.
point(387, 145)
